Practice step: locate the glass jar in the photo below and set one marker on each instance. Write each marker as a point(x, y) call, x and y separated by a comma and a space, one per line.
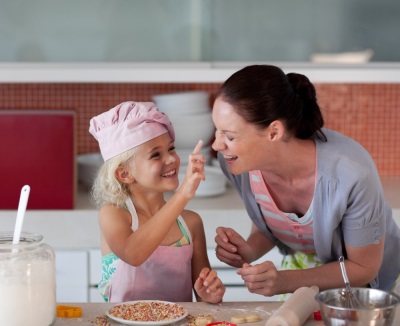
point(27, 281)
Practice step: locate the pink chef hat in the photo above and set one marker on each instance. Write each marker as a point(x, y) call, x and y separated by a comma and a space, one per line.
point(128, 125)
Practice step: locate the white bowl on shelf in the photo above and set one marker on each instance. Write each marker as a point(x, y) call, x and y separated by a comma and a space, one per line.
point(88, 166)
point(214, 185)
point(184, 154)
point(189, 129)
point(183, 103)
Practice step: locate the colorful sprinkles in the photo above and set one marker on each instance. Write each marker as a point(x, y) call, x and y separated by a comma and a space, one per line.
point(100, 321)
point(147, 311)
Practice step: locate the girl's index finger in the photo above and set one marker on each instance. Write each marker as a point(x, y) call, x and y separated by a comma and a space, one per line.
point(198, 147)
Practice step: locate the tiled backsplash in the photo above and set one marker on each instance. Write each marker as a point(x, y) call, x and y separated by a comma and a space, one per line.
point(369, 113)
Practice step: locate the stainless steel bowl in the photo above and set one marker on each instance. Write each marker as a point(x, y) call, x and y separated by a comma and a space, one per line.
point(379, 307)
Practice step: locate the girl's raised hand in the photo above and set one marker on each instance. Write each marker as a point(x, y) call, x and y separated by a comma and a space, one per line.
point(196, 159)
point(194, 173)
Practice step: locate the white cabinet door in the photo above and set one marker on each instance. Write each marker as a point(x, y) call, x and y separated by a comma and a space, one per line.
point(94, 275)
point(94, 267)
point(94, 295)
point(72, 276)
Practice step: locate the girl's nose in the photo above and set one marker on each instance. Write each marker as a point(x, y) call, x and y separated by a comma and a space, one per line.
point(170, 159)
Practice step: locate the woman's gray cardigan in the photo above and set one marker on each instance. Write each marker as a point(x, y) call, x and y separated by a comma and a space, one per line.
point(348, 207)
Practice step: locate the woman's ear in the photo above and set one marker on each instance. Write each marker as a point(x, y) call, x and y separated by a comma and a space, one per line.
point(123, 175)
point(276, 130)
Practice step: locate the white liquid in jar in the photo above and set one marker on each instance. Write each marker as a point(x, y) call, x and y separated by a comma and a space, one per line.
point(27, 294)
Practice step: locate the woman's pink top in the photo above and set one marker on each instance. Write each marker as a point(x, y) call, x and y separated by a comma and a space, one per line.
point(296, 233)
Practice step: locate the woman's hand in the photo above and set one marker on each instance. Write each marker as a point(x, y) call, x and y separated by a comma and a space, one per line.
point(209, 287)
point(232, 248)
point(361, 267)
point(261, 278)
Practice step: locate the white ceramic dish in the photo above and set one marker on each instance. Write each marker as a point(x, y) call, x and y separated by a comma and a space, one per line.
point(189, 129)
point(184, 154)
point(178, 97)
point(186, 110)
point(88, 165)
point(343, 57)
point(183, 103)
point(214, 185)
point(148, 323)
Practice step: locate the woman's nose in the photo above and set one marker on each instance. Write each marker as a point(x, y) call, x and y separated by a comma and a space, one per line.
point(218, 143)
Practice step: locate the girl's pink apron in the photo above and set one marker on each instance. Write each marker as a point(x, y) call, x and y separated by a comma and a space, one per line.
point(166, 275)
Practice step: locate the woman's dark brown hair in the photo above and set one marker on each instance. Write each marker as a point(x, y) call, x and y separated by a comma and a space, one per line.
point(262, 94)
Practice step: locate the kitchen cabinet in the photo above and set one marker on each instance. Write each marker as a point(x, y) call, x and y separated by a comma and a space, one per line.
point(33, 135)
point(196, 30)
point(94, 275)
point(235, 288)
point(72, 275)
point(78, 272)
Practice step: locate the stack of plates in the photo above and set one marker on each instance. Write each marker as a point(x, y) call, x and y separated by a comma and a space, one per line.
point(183, 103)
point(190, 115)
point(215, 183)
point(88, 166)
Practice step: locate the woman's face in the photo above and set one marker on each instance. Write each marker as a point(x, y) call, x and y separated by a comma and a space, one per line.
point(156, 165)
point(243, 146)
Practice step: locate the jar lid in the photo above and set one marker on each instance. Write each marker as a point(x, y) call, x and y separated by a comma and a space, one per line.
point(27, 241)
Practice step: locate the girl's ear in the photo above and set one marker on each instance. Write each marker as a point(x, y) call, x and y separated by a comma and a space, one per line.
point(123, 175)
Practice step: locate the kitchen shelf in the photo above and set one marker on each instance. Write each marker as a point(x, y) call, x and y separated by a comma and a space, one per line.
point(230, 200)
point(188, 72)
point(78, 228)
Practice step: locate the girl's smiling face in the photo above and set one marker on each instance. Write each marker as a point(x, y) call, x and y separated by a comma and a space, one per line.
point(155, 165)
point(243, 146)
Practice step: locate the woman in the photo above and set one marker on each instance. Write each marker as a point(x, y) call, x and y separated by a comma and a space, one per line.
point(313, 192)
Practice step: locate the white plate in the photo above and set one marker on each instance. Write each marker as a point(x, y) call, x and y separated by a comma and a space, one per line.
point(136, 322)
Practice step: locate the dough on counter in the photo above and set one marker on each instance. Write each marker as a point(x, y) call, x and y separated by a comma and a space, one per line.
point(245, 318)
point(203, 319)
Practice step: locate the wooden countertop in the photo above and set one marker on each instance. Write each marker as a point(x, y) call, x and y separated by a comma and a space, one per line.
point(221, 312)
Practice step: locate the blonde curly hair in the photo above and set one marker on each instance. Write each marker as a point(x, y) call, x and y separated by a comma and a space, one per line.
point(106, 188)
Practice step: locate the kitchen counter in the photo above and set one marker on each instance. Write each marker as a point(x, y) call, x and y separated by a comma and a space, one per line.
point(221, 312)
point(230, 200)
point(78, 228)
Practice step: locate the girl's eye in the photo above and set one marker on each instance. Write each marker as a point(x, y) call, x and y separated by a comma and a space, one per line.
point(155, 155)
point(172, 149)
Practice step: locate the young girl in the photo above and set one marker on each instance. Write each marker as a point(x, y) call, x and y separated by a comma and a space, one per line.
point(151, 249)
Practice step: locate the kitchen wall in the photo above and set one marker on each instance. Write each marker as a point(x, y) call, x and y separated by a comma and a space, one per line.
point(369, 113)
